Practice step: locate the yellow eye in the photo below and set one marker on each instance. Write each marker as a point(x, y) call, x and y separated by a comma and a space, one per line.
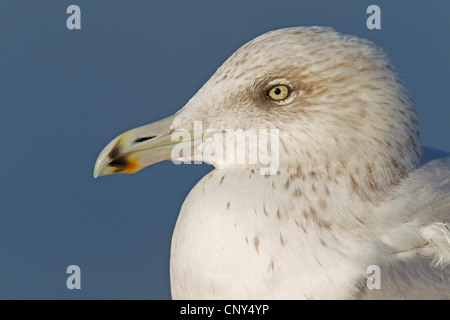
point(278, 92)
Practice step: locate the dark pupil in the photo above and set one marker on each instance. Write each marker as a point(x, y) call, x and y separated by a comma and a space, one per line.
point(277, 91)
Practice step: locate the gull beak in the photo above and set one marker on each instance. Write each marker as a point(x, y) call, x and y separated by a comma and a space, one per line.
point(136, 149)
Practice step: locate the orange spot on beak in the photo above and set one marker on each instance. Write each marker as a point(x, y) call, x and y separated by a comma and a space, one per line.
point(131, 166)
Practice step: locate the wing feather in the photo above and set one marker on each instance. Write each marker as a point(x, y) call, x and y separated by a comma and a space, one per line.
point(423, 201)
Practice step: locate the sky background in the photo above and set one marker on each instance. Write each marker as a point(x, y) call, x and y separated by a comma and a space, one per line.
point(64, 94)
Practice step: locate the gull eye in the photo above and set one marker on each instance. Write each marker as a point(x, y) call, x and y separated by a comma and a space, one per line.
point(278, 92)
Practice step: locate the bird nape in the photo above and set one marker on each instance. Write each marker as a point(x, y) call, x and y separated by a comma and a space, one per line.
point(318, 190)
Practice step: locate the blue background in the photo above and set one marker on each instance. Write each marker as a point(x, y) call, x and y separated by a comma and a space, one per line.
point(65, 93)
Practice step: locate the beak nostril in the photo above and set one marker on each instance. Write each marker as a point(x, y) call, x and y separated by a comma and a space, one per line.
point(143, 139)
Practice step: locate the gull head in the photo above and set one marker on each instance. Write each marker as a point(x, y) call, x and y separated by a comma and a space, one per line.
point(336, 103)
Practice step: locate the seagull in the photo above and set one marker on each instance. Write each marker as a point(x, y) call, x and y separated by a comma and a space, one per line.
point(356, 208)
